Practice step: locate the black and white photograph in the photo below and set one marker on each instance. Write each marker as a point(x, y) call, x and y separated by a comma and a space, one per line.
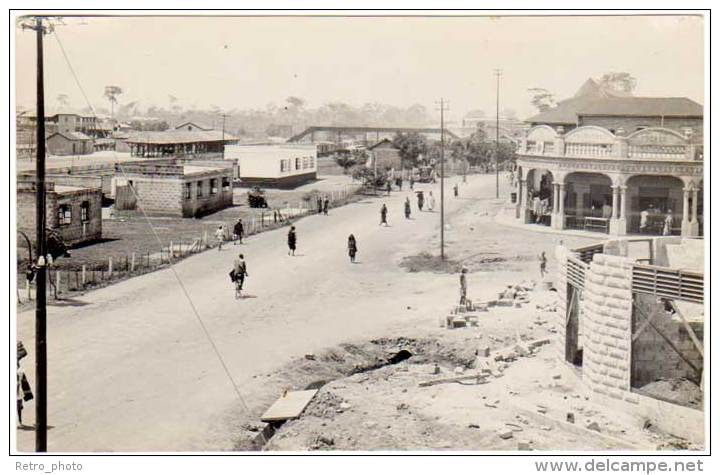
point(356, 232)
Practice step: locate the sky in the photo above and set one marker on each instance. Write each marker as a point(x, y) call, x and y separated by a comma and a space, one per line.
point(245, 62)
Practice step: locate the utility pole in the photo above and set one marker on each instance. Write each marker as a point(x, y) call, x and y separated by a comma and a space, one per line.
point(223, 136)
point(443, 107)
point(498, 73)
point(41, 272)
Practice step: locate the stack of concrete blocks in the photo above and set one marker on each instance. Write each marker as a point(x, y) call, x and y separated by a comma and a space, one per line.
point(607, 314)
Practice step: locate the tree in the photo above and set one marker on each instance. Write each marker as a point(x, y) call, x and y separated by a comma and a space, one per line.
point(368, 177)
point(295, 102)
point(542, 99)
point(410, 147)
point(618, 82)
point(112, 93)
point(62, 100)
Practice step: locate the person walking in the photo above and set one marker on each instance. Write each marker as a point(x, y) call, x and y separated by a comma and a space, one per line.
point(412, 183)
point(220, 236)
point(407, 208)
point(420, 200)
point(463, 286)
point(455, 190)
point(388, 187)
point(399, 183)
point(326, 205)
point(543, 264)
point(319, 204)
point(352, 247)
point(431, 201)
point(239, 274)
point(24, 393)
point(292, 241)
point(239, 231)
point(383, 215)
point(667, 225)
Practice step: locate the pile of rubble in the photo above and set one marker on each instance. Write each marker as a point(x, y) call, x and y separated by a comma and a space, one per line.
point(467, 314)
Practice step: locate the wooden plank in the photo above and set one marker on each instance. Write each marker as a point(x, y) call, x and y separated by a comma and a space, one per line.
point(289, 406)
point(688, 328)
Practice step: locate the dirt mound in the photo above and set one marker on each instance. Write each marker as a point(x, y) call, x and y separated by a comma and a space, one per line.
point(678, 391)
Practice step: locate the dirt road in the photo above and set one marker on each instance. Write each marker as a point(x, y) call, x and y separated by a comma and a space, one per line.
point(131, 370)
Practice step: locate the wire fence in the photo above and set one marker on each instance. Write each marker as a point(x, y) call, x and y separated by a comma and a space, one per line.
point(62, 281)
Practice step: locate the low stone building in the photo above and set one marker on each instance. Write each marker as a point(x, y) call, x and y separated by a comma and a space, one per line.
point(275, 166)
point(69, 143)
point(174, 188)
point(75, 212)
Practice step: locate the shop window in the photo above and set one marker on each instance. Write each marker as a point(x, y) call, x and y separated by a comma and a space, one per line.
point(64, 215)
point(199, 189)
point(188, 191)
point(226, 183)
point(297, 163)
point(213, 186)
point(85, 211)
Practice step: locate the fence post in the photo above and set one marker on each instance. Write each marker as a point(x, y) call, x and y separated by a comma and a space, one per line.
point(262, 218)
point(57, 282)
point(27, 288)
point(171, 254)
point(83, 275)
point(110, 266)
point(132, 262)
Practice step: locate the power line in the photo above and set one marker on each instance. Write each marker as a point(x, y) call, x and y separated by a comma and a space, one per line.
point(157, 237)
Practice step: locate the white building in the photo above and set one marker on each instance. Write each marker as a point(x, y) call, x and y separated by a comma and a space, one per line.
point(274, 166)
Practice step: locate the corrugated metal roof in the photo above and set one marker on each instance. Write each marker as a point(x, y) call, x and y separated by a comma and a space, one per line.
point(169, 137)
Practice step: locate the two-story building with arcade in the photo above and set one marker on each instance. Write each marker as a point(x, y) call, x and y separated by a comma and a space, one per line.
point(614, 164)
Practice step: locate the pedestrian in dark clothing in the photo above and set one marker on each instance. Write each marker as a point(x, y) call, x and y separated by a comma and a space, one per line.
point(326, 205)
point(455, 190)
point(24, 393)
point(399, 183)
point(420, 200)
point(292, 241)
point(319, 204)
point(389, 188)
point(239, 274)
point(383, 215)
point(407, 208)
point(352, 247)
point(239, 231)
point(412, 183)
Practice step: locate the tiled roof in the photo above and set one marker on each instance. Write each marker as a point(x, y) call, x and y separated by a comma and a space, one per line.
point(567, 112)
point(72, 135)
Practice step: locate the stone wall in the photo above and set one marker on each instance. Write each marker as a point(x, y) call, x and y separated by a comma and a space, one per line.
point(607, 315)
point(561, 255)
point(652, 357)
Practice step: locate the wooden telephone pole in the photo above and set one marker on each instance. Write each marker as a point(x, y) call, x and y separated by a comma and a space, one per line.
point(498, 73)
point(41, 273)
point(443, 107)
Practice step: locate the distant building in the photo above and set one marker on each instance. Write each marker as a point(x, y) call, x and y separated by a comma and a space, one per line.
point(188, 140)
point(190, 126)
point(75, 212)
point(69, 143)
point(613, 164)
point(386, 155)
point(174, 188)
point(275, 166)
